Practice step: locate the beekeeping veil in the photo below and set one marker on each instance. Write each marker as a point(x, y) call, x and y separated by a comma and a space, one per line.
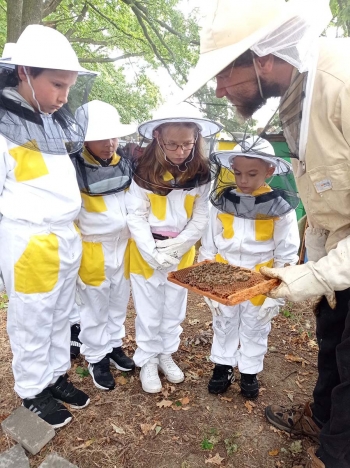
point(104, 124)
point(276, 198)
point(178, 114)
point(56, 133)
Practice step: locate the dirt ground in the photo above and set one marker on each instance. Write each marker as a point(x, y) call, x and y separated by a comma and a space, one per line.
point(185, 426)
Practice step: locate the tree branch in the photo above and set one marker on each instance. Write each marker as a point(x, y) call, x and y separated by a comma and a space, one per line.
point(79, 19)
point(114, 24)
point(51, 7)
point(107, 59)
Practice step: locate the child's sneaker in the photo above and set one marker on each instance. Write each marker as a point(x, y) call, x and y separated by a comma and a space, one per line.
point(249, 385)
point(47, 408)
point(170, 369)
point(149, 377)
point(101, 374)
point(64, 390)
point(121, 360)
point(75, 343)
point(221, 379)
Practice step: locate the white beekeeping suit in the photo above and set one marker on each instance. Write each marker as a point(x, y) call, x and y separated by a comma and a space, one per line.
point(251, 235)
point(40, 248)
point(160, 305)
point(165, 219)
point(103, 285)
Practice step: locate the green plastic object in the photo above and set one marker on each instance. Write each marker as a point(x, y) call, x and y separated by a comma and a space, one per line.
point(282, 150)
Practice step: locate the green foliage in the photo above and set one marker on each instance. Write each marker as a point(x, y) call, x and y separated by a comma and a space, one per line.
point(206, 444)
point(135, 35)
point(82, 371)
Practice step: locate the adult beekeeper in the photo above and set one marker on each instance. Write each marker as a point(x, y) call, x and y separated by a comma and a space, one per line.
point(272, 49)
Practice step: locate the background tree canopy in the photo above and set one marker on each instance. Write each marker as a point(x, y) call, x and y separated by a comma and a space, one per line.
point(135, 35)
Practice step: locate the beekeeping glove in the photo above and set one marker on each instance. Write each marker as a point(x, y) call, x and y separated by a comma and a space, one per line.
point(299, 283)
point(213, 306)
point(269, 309)
point(164, 261)
point(176, 247)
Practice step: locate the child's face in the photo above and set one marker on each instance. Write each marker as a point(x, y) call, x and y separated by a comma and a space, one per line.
point(251, 173)
point(51, 88)
point(104, 149)
point(174, 136)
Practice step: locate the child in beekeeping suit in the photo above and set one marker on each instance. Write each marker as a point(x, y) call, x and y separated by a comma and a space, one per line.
point(250, 225)
point(103, 285)
point(167, 208)
point(40, 248)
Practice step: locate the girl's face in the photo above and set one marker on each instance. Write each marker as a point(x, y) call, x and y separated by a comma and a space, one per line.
point(177, 143)
point(103, 149)
point(51, 88)
point(251, 173)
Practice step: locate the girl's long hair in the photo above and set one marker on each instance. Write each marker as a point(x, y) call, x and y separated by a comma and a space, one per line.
point(152, 165)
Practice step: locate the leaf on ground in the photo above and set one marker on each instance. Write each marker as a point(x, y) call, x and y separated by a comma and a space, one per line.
point(84, 445)
point(293, 358)
point(118, 430)
point(194, 322)
point(290, 396)
point(146, 428)
point(249, 406)
point(158, 429)
point(274, 453)
point(121, 380)
point(185, 400)
point(225, 398)
point(217, 460)
point(185, 408)
point(164, 404)
point(296, 447)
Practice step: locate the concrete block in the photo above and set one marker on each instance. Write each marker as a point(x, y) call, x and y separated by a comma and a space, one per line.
point(55, 461)
point(15, 457)
point(26, 428)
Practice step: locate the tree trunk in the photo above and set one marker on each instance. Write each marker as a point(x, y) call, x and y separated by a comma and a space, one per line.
point(14, 20)
point(31, 12)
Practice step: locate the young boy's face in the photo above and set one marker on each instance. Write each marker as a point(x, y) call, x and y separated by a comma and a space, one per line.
point(251, 173)
point(51, 88)
point(103, 149)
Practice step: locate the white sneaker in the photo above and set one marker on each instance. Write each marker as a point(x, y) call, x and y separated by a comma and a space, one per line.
point(149, 377)
point(172, 371)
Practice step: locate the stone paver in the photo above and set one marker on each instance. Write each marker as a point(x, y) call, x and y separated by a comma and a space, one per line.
point(15, 457)
point(28, 429)
point(55, 461)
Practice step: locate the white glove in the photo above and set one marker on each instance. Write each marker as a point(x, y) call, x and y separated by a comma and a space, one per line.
point(315, 242)
point(213, 306)
point(299, 283)
point(269, 309)
point(164, 261)
point(174, 247)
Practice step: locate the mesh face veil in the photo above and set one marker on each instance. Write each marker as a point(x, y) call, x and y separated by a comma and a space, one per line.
point(274, 198)
point(96, 180)
point(56, 133)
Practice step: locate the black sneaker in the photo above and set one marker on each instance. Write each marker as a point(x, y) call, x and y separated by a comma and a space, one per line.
point(64, 390)
point(249, 386)
point(121, 360)
point(47, 408)
point(75, 343)
point(101, 374)
point(221, 379)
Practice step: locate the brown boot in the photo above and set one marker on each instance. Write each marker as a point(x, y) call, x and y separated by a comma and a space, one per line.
point(313, 461)
point(295, 420)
